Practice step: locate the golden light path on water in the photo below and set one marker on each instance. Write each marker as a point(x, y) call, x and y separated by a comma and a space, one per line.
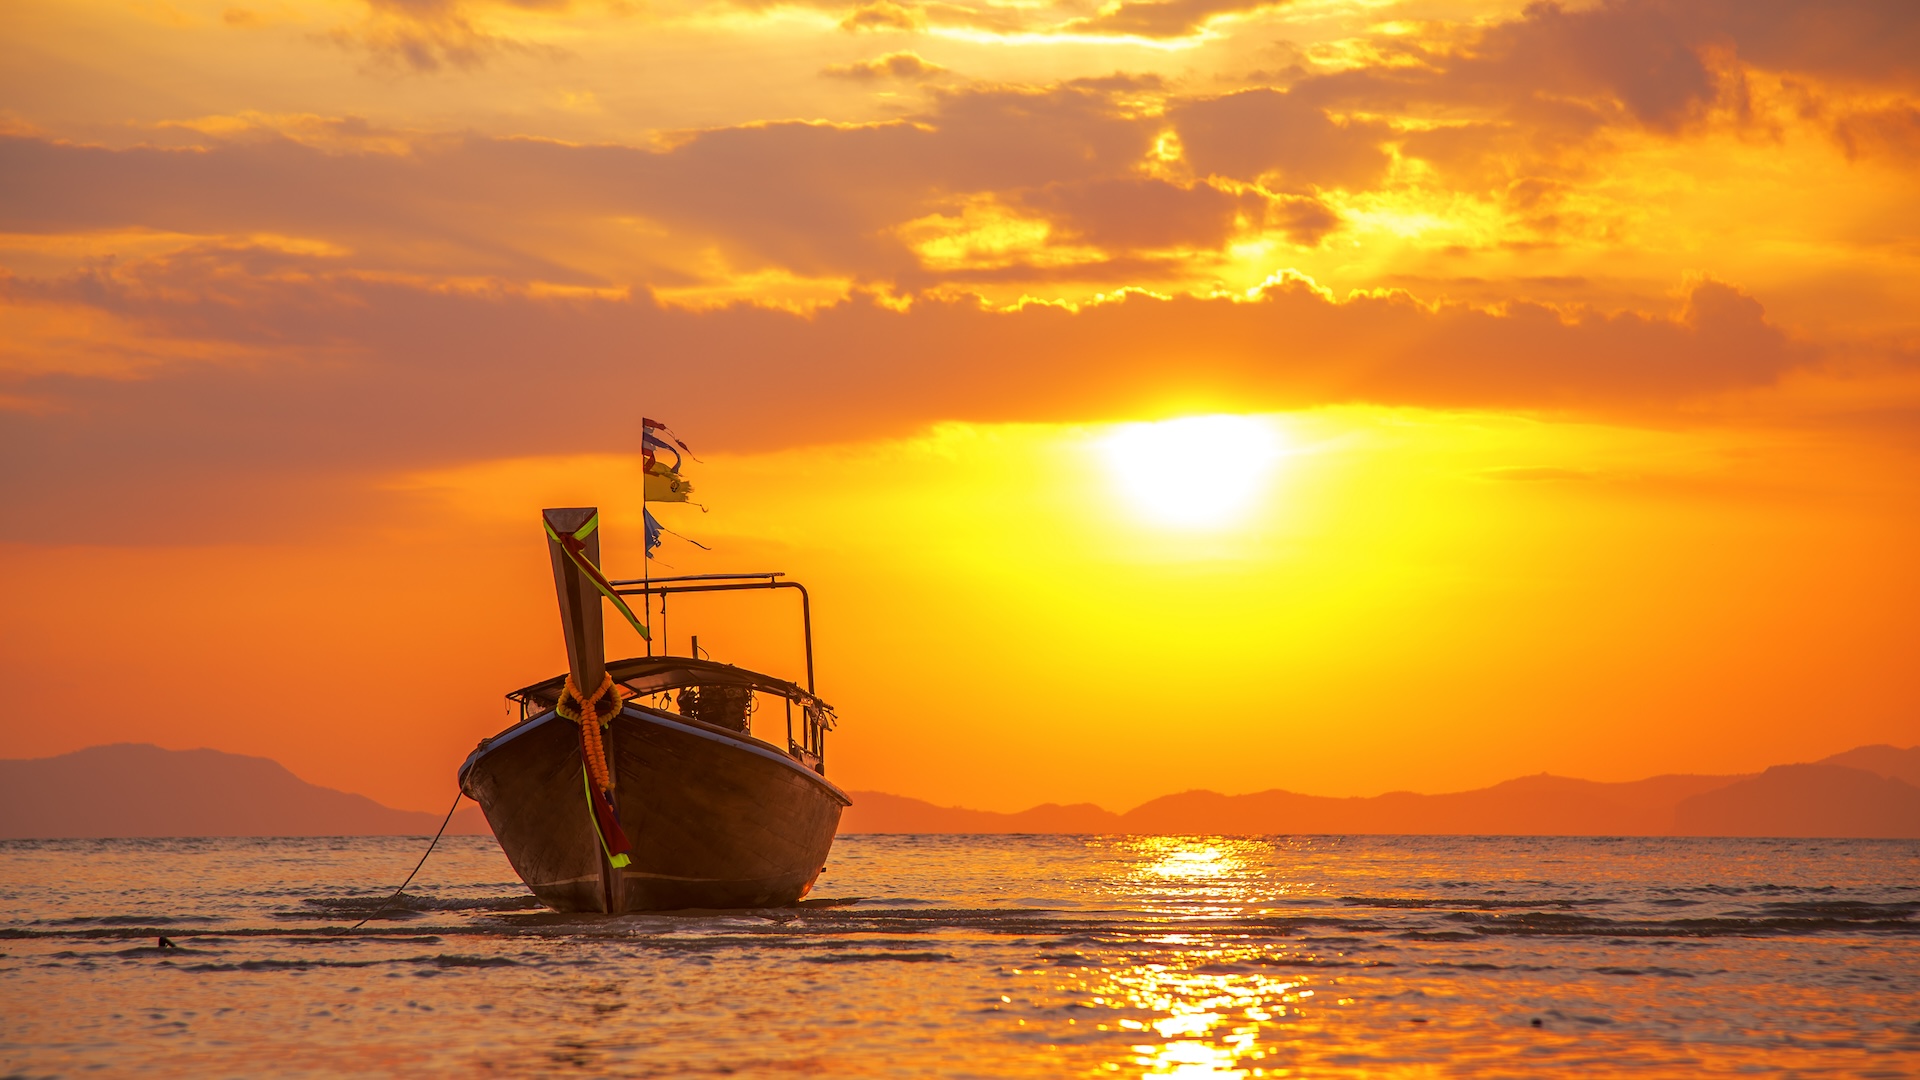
point(1209, 1023)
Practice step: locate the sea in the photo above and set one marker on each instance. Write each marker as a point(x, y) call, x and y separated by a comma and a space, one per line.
point(977, 956)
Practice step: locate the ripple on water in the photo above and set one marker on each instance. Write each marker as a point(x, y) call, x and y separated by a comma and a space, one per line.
point(971, 956)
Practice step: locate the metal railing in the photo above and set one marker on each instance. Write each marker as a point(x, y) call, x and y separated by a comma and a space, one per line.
point(695, 583)
point(811, 749)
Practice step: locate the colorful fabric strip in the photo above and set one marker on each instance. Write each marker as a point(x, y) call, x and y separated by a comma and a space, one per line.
point(649, 442)
point(648, 426)
point(606, 822)
point(575, 545)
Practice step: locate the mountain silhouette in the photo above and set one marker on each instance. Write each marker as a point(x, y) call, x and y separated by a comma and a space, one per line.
point(1868, 792)
point(135, 789)
point(1881, 760)
point(1805, 800)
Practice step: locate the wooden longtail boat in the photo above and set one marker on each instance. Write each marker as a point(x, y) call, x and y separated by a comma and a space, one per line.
point(710, 816)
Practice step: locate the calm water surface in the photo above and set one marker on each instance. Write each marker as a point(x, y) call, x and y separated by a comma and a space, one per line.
point(979, 956)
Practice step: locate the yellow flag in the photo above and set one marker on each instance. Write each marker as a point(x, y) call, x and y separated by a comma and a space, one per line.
point(665, 485)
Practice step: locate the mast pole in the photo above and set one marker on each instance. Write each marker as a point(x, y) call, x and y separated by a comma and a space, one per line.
point(646, 550)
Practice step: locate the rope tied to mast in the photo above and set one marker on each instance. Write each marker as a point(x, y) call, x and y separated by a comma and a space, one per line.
point(596, 773)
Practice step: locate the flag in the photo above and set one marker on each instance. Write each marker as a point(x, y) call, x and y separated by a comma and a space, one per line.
point(648, 426)
point(655, 531)
point(649, 442)
point(663, 484)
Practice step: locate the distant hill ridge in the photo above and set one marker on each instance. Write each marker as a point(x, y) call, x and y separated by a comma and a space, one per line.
point(1869, 792)
point(138, 790)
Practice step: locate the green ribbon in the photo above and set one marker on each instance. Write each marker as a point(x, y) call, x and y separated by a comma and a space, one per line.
point(575, 545)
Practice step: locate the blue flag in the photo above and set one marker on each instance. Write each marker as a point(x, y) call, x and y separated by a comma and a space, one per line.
point(653, 532)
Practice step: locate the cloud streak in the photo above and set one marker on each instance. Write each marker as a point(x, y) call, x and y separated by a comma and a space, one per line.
point(312, 373)
point(897, 65)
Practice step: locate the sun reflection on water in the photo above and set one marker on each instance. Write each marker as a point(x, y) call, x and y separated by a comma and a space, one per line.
point(1210, 1023)
point(1198, 985)
point(1192, 861)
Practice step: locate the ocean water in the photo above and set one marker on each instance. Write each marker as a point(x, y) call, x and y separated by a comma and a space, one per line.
point(979, 956)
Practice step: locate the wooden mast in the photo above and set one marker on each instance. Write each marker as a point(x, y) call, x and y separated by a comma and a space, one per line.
point(582, 625)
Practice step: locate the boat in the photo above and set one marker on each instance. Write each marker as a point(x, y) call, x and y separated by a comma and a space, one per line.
point(651, 792)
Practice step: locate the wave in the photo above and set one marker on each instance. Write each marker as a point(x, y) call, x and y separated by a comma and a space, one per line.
point(406, 905)
point(130, 920)
point(871, 957)
point(1347, 922)
point(1419, 902)
point(444, 961)
point(1549, 924)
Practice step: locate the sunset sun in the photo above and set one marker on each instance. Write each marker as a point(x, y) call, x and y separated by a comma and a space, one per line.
point(1195, 472)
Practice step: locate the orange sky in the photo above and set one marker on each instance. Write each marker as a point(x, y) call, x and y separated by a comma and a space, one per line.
point(1559, 369)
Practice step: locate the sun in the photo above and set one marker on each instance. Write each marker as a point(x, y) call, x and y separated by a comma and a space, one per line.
point(1196, 472)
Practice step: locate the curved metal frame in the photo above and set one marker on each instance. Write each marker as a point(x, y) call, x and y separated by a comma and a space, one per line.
point(727, 583)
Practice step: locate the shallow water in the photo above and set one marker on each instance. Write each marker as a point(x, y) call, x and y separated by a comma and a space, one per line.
point(979, 956)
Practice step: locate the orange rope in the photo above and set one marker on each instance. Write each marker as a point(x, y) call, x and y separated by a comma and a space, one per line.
point(591, 745)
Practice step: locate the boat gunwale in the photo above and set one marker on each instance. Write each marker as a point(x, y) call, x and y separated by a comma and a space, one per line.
point(703, 672)
point(685, 725)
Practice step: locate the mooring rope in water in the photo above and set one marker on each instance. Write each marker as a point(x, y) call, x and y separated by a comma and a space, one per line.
point(457, 796)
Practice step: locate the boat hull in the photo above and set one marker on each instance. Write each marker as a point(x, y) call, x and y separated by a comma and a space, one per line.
point(715, 819)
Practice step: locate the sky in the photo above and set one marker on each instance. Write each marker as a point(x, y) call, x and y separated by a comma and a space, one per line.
point(1154, 394)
